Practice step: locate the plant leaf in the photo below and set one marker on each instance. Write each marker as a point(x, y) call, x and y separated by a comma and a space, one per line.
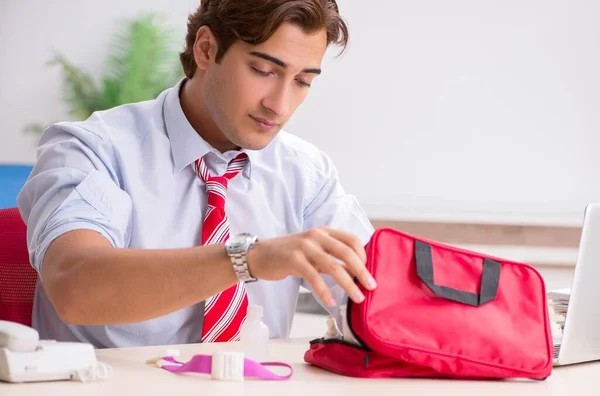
point(33, 128)
point(78, 91)
point(141, 61)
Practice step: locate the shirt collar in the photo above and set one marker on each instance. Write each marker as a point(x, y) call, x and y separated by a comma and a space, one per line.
point(186, 144)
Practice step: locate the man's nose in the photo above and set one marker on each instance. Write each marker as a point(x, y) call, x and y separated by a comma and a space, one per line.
point(278, 100)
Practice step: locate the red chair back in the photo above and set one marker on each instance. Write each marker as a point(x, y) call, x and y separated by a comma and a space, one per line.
point(17, 277)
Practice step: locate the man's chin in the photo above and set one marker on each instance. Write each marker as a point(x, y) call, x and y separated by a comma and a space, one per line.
point(256, 142)
point(255, 146)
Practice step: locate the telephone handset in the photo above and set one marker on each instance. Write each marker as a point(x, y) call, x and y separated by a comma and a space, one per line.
point(26, 358)
point(17, 337)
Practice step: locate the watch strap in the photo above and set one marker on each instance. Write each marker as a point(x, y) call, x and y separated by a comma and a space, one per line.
point(239, 259)
point(240, 266)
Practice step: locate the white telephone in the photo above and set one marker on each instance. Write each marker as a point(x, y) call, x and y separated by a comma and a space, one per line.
point(26, 358)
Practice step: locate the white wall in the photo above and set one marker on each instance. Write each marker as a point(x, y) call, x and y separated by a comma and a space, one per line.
point(31, 31)
point(462, 110)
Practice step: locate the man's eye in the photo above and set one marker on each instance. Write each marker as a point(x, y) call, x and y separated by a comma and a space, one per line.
point(260, 72)
point(303, 83)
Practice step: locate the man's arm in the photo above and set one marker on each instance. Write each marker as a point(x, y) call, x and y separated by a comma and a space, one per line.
point(78, 229)
point(90, 282)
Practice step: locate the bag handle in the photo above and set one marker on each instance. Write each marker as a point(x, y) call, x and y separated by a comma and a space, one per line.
point(490, 278)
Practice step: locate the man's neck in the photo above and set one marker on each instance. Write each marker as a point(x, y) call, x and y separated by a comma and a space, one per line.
point(195, 112)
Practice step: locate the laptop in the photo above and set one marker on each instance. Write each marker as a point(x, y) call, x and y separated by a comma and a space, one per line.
point(581, 335)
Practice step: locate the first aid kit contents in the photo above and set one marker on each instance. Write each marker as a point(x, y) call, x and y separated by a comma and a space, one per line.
point(440, 311)
point(225, 366)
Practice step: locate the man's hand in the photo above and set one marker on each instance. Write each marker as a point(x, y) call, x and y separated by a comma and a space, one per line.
point(308, 254)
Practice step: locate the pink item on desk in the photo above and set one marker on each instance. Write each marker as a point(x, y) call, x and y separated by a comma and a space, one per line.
point(228, 366)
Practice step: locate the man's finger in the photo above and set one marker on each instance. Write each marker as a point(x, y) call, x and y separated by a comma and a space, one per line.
point(352, 262)
point(348, 239)
point(326, 264)
point(318, 285)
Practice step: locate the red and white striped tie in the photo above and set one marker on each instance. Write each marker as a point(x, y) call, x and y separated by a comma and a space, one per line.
point(224, 312)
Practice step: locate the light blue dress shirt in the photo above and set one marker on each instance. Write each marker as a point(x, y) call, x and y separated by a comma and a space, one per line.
point(127, 174)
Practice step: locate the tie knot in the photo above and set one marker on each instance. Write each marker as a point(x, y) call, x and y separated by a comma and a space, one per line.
point(233, 168)
point(216, 186)
point(216, 191)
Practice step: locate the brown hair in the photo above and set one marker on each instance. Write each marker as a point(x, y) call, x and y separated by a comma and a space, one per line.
point(255, 21)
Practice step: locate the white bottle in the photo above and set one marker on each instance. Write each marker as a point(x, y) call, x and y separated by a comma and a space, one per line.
point(254, 335)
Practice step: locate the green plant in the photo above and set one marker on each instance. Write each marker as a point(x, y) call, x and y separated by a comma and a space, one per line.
point(142, 62)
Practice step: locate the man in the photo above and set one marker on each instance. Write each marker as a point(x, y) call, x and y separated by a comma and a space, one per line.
point(158, 222)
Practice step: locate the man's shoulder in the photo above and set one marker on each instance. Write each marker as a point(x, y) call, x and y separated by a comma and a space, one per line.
point(130, 121)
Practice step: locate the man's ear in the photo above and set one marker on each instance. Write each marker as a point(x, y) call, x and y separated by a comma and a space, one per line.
point(205, 47)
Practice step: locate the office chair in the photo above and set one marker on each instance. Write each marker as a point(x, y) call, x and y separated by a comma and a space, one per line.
point(17, 276)
point(12, 179)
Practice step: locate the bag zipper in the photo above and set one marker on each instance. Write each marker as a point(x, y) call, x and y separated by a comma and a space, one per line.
point(323, 340)
point(348, 319)
point(365, 350)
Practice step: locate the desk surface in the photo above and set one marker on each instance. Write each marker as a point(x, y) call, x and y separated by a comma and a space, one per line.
point(133, 376)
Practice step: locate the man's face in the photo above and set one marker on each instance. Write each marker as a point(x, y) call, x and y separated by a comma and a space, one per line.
point(253, 91)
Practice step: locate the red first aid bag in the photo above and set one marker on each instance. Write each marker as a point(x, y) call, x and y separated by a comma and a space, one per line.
point(441, 311)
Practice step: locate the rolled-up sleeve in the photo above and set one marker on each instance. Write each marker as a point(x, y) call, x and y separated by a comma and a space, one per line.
point(74, 185)
point(332, 206)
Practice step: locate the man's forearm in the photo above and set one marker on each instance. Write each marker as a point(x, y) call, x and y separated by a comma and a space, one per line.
point(109, 286)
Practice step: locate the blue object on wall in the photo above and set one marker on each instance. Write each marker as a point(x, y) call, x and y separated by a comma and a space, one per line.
point(12, 179)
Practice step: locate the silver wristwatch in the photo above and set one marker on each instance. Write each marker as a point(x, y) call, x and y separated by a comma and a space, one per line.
point(237, 248)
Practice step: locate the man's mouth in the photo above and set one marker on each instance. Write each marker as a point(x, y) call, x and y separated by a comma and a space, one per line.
point(263, 124)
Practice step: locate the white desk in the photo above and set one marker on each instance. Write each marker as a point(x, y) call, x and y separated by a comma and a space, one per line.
point(133, 376)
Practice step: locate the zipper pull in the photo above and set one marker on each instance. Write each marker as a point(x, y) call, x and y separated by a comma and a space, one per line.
point(366, 361)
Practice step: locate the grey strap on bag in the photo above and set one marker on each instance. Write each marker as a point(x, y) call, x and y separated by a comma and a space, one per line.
point(490, 278)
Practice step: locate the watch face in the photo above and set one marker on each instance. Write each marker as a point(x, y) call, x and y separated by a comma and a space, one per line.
point(239, 240)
